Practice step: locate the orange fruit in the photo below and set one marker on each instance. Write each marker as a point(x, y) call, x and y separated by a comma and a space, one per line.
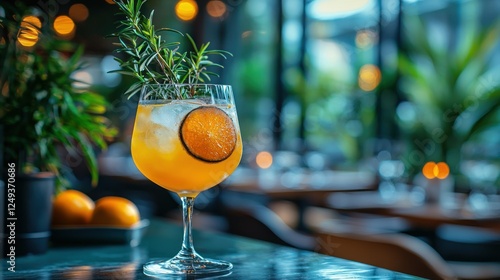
point(115, 211)
point(71, 207)
point(208, 133)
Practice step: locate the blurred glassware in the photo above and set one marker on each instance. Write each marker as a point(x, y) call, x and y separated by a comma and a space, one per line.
point(391, 187)
point(436, 189)
point(482, 175)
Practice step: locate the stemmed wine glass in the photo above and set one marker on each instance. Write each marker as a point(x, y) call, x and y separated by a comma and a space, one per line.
point(186, 139)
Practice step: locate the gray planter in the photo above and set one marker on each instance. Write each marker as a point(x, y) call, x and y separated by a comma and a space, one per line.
point(27, 214)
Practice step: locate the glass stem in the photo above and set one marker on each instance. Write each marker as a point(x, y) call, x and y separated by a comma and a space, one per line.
point(187, 250)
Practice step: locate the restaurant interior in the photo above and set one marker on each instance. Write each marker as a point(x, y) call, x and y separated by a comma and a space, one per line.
point(373, 124)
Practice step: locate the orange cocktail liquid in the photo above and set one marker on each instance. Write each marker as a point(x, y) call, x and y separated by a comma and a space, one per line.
point(159, 154)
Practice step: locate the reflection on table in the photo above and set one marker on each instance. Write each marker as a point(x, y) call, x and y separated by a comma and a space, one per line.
point(251, 259)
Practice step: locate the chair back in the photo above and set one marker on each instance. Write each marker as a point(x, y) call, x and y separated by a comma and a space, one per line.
point(393, 251)
point(259, 222)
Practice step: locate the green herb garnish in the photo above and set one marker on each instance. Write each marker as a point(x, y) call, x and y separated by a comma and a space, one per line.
point(151, 59)
point(49, 123)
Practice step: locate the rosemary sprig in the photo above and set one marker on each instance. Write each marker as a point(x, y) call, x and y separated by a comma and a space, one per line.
point(149, 58)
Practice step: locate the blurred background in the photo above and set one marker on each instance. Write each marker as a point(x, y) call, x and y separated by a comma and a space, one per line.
point(345, 80)
point(341, 84)
point(397, 98)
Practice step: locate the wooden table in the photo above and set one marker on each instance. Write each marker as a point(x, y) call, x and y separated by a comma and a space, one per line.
point(307, 189)
point(427, 215)
point(305, 184)
point(252, 259)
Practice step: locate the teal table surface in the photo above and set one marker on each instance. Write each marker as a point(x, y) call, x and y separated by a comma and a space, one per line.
point(252, 259)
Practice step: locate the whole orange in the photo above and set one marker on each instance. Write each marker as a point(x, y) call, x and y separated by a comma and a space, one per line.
point(115, 211)
point(71, 207)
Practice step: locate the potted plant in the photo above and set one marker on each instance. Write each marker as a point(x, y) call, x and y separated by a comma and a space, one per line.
point(452, 97)
point(43, 114)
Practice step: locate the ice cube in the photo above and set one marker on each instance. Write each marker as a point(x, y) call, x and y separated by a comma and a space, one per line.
point(165, 115)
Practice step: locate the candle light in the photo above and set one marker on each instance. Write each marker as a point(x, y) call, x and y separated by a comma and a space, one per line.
point(264, 159)
point(29, 32)
point(436, 180)
point(432, 170)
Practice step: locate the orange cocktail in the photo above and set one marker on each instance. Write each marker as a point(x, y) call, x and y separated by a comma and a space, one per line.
point(186, 146)
point(186, 139)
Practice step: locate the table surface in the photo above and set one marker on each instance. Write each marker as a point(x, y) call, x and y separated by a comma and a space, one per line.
point(252, 259)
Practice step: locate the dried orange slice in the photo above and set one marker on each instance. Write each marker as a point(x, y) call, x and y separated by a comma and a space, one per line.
point(208, 134)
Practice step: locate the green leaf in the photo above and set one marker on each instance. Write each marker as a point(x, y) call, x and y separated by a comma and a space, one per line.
point(151, 58)
point(480, 117)
point(133, 89)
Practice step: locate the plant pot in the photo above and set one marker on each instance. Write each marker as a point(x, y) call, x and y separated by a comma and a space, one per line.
point(27, 214)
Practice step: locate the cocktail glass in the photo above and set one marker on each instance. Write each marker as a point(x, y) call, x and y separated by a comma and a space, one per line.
point(186, 139)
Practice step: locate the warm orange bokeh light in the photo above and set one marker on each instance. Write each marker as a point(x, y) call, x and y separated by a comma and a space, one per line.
point(246, 34)
point(29, 31)
point(186, 9)
point(110, 1)
point(369, 77)
point(79, 12)
point(441, 170)
point(216, 8)
point(432, 170)
point(428, 170)
point(64, 25)
point(264, 159)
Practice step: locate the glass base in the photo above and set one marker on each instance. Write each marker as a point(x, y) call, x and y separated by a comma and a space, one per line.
point(187, 266)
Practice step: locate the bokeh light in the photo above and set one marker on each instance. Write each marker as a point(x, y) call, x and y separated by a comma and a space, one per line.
point(327, 9)
point(83, 79)
point(216, 8)
point(246, 34)
point(441, 170)
point(264, 159)
point(30, 28)
point(78, 12)
point(432, 170)
point(108, 64)
point(64, 26)
point(428, 170)
point(186, 9)
point(365, 39)
point(369, 77)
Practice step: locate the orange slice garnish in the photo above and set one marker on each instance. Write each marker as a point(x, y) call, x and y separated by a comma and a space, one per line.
point(208, 134)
